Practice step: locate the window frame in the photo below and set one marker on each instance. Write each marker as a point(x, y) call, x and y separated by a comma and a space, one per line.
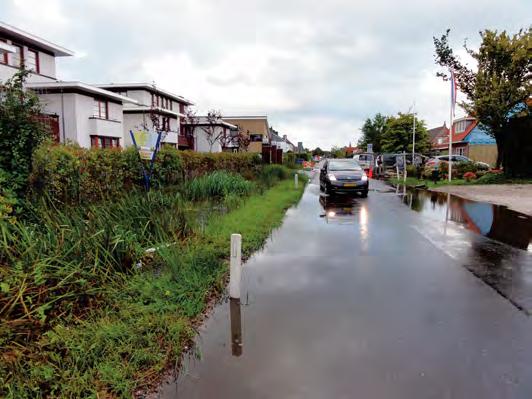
point(37, 60)
point(101, 101)
point(104, 142)
point(21, 56)
point(3, 58)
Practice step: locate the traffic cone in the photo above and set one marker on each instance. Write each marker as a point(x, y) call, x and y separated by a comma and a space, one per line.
point(370, 173)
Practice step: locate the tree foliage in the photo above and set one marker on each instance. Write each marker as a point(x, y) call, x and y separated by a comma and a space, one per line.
point(318, 151)
point(372, 132)
point(501, 81)
point(397, 134)
point(20, 132)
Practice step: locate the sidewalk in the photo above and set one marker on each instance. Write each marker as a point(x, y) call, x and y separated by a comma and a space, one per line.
point(515, 196)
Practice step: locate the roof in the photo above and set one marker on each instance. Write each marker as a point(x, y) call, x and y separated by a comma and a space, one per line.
point(457, 137)
point(435, 132)
point(202, 120)
point(81, 87)
point(145, 86)
point(36, 41)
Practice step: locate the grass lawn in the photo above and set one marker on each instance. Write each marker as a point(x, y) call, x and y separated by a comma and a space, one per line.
point(148, 317)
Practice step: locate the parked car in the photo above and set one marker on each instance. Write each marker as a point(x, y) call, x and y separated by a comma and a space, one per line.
point(366, 160)
point(343, 175)
point(435, 162)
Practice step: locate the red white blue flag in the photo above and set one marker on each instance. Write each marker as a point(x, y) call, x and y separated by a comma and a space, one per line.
point(453, 92)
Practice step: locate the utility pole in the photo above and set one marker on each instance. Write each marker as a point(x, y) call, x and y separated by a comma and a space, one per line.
point(414, 133)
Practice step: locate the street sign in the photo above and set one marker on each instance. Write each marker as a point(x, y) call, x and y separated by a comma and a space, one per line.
point(146, 143)
point(400, 161)
point(370, 147)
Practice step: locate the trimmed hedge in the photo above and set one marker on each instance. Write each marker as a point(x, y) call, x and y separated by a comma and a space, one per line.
point(70, 174)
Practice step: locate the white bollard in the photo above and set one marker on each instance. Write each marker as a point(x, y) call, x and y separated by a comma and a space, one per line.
point(235, 268)
point(296, 179)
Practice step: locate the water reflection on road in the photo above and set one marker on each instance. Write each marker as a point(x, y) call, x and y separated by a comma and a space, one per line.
point(493, 221)
point(503, 261)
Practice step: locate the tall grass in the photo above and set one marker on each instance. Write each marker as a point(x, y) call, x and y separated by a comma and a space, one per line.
point(217, 185)
point(56, 263)
point(272, 174)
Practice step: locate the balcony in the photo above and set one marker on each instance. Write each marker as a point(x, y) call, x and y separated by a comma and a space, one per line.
point(105, 127)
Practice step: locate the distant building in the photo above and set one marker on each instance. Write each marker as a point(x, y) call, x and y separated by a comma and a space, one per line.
point(300, 148)
point(153, 104)
point(221, 131)
point(281, 142)
point(469, 139)
point(256, 126)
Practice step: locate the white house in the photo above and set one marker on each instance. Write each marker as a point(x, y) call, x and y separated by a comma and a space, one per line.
point(19, 48)
point(281, 142)
point(87, 115)
point(75, 111)
point(205, 130)
point(153, 104)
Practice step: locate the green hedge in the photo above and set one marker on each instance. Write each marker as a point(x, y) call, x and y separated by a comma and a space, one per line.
point(72, 175)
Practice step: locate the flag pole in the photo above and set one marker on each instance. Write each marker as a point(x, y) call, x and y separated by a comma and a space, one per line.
point(451, 114)
point(414, 133)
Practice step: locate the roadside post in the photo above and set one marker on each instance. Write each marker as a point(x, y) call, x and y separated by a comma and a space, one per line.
point(235, 267)
point(296, 182)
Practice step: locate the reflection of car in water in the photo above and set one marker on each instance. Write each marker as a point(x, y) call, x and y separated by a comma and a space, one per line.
point(338, 209)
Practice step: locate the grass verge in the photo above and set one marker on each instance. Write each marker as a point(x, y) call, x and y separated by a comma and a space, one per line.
point(148, 316)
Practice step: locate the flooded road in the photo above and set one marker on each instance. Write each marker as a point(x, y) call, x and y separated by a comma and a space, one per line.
point(367, 298)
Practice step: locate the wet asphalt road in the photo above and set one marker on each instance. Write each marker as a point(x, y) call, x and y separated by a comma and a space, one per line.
point(365, 299)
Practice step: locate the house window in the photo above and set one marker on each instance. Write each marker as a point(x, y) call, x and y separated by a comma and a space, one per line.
point(459, 151)
point(17, 59)
point(165, 124)
point(101, 109)
point(3, 56)
point(105, 142)
point(32, 61)
point(461, 126)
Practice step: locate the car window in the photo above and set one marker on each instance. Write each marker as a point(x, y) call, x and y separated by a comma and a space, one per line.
point(444, 158)
point(344, 164)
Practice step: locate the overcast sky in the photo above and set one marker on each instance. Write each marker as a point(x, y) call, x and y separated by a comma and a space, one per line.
point(318, 69)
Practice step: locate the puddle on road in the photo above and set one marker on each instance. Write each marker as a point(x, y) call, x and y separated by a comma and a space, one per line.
point(496, 222)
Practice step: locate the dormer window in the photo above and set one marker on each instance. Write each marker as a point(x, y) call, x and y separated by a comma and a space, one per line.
point(461, 126)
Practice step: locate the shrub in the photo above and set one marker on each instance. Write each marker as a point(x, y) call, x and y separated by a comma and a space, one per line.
point(465, 167)
point(271, 174)
point(20, 131)
point(69, 174)
point(468, 176)
point(492, 178)
point(289, 159)
point(218, 184)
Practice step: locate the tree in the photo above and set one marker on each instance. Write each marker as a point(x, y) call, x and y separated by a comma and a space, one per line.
point(243, 139)
point(372, 132)
point(317, 151)
point(20, 132)
point(397, 136)
point(214, 133)
point(501, 81)
point(338, 152)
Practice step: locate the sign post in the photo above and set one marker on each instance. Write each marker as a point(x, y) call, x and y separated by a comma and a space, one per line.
point(147, 144)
